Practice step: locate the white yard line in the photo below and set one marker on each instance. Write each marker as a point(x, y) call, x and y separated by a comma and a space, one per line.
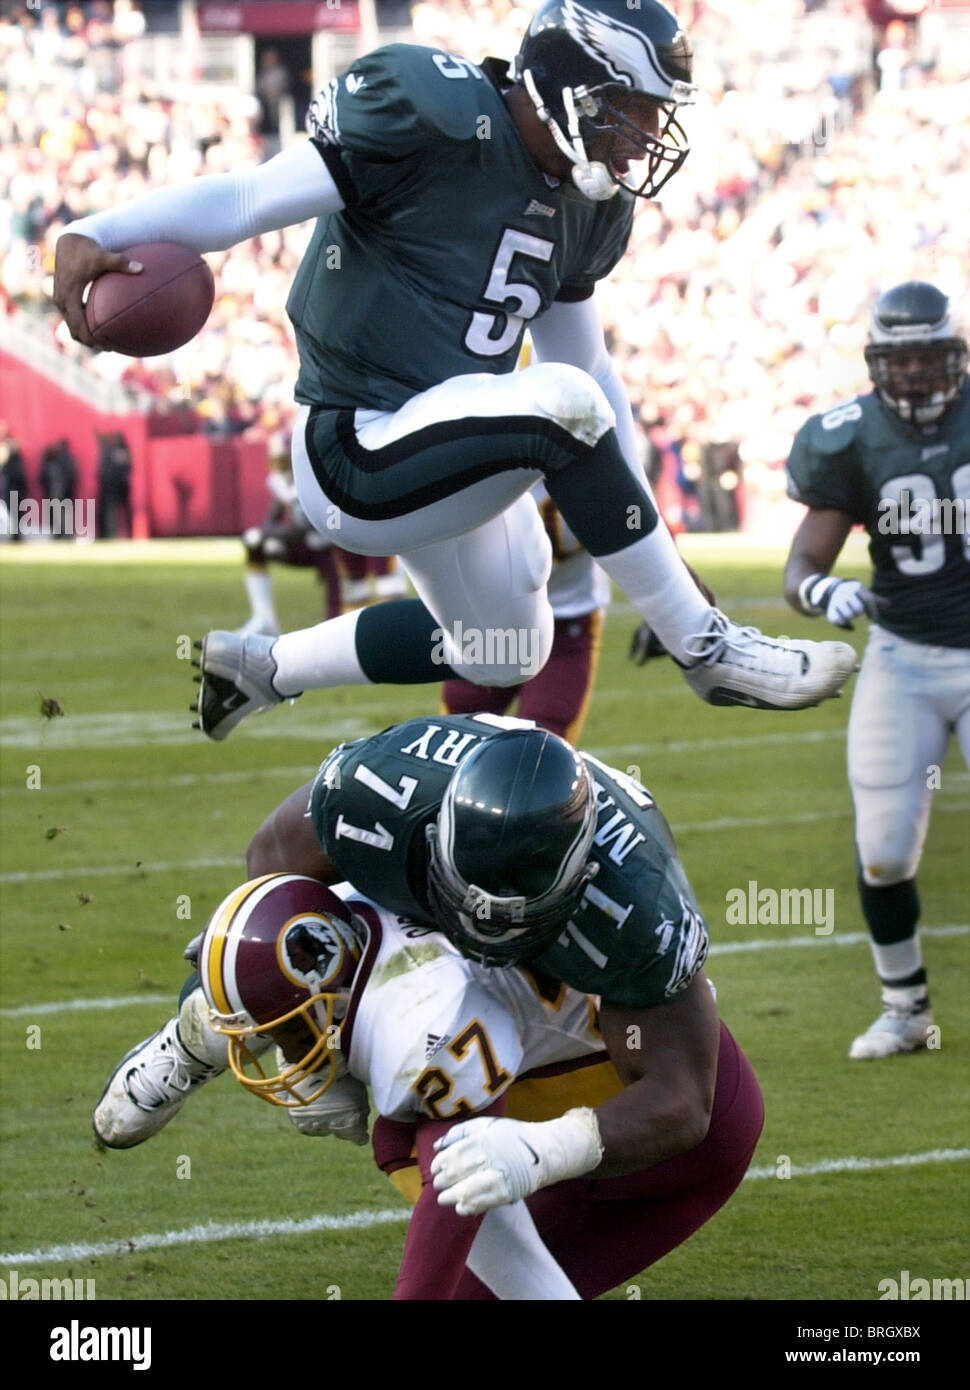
point(855, 938)
point(80, 871)
point(64, 1006)
point(250, 1230)
point(83, 871)
point(127, 728)
point(727, 948)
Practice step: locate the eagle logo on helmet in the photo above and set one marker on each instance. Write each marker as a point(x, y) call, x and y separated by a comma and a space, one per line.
point(580, 66)
point(509, 853)
point(626, 53)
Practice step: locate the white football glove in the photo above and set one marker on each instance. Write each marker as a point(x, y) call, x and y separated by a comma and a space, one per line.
point(342, 1110)
point(489, 1162)
point(840, 600)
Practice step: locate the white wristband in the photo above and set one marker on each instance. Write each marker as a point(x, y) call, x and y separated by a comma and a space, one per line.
point(805, 596)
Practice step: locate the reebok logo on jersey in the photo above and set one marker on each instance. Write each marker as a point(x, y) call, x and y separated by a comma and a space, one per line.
point(354, 82)
point(434, 1043)
point(538, 209)
point(933, 451)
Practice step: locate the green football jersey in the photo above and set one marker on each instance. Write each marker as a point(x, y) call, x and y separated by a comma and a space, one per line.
point(451, 238)
point(910, 488)
point(638, 937)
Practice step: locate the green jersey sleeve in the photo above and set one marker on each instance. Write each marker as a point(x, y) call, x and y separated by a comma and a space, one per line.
point(391, 105)
point(822, 468)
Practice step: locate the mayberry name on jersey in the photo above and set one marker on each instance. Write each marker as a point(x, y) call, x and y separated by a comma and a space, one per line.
point(638, 936)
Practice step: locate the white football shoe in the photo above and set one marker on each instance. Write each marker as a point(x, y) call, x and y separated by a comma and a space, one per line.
point(741, 666)
point(901, 1028)
point(148, 1087)
point(237, 679)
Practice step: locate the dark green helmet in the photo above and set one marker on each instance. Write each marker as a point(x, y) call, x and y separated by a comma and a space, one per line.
point(582, 61)
point(509, 850)
point(917, 356)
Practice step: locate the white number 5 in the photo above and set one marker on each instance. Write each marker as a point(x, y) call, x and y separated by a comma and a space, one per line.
point(480, 338)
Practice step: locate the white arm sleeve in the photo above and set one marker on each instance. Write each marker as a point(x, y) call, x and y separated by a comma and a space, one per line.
point(573, 333)
point(218, 210)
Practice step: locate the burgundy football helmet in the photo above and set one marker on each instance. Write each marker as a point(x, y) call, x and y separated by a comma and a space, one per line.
point(277, 959)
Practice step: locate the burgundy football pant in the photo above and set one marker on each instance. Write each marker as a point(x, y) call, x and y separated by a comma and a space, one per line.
point(601, 1233)
point(556, 698)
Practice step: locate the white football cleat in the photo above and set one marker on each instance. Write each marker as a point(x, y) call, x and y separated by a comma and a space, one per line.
point(901, 1028)
point(741, 666)
point(148, 1087)
point(237, 679)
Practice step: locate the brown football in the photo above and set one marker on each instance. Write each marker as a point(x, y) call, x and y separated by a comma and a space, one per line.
point(156, 311)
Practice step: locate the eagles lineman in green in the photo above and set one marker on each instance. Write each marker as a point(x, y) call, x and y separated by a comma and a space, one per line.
point(636, 935)
point(896, 461)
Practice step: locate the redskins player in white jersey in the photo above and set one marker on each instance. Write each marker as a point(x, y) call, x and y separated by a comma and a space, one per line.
point(354, 996)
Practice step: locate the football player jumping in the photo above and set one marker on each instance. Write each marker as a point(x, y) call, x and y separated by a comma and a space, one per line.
point(896, 461)
point(519, 850)
point(356, 996)
point(456, 204)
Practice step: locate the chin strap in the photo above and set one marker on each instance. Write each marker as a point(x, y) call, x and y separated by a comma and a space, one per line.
point(592, 178)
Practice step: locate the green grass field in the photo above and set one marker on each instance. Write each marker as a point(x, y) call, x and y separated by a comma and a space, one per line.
point(137, 820)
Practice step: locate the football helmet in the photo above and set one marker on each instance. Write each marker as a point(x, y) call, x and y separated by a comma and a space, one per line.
point(278, 957)
point(917, 354)
point(509, 848)
point(582, 64)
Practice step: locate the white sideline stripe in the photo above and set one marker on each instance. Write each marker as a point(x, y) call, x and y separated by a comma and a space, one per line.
point(213, 1231)
point(942, 808)
point(769, 943)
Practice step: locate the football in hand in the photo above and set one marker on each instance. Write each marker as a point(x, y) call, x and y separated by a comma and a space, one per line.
point(156, 311)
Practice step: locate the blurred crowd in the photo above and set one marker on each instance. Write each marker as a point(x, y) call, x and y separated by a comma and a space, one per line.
point(71, 144)
point(821, 171)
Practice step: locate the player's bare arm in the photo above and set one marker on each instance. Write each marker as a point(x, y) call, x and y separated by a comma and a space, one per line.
point(667, 1059)
point(287, 843)
point(815, 548)
point(809, 587)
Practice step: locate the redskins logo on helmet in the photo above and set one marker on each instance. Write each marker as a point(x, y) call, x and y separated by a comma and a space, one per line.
point(277, 960)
